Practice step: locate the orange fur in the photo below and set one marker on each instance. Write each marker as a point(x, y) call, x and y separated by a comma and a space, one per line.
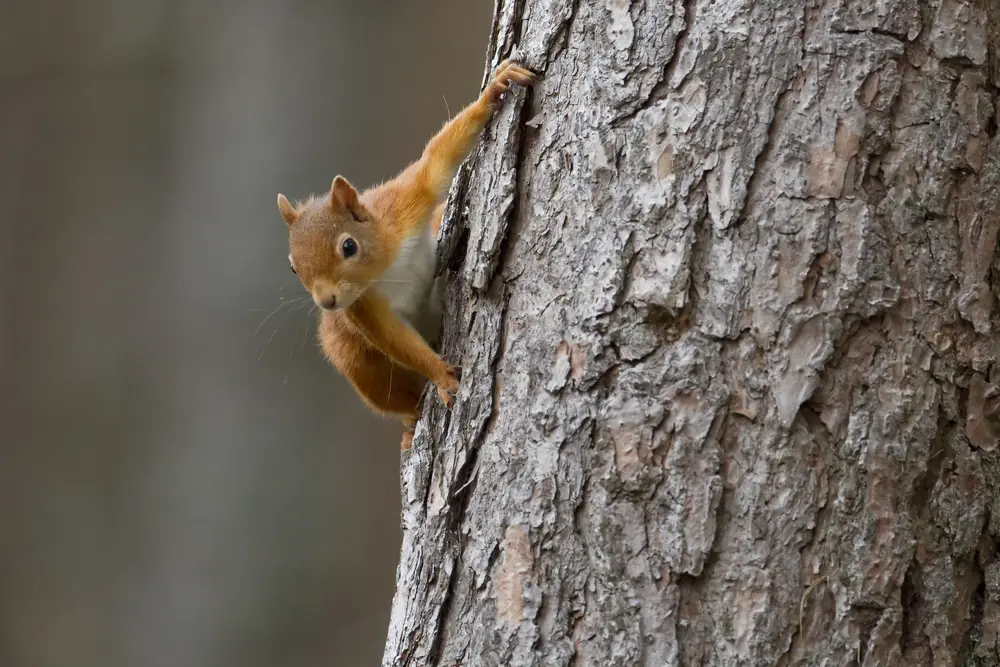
point(436, 218)
point(370, 338)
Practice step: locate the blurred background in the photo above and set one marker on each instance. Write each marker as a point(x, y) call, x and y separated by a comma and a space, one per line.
point(177, 487)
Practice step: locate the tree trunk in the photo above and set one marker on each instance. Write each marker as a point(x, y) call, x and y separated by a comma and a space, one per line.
point(724, 295)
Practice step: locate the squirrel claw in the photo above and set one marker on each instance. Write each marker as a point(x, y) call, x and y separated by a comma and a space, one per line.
point(510, 70)
point(447, 397)
point(506, 74)
point(448, 385)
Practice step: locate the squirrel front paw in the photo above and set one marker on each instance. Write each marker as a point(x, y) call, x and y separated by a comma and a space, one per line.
point(447, 384)
point(506, 74)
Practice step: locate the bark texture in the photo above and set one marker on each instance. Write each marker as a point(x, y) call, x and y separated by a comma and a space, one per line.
point(724, 294)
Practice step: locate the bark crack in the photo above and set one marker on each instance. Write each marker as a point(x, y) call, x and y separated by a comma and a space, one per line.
point(973, 637)
point(908, 598)
point(560, 40)
point(521, 190)
point(882, 32)
point(681, 42)
point(659, 90)
point(662, 87)
point(443, 610)
point(774, 127)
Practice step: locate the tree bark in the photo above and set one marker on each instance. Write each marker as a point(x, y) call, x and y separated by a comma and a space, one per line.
point(724, 294)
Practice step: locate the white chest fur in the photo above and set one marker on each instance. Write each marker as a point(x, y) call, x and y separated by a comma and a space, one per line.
point(407, 283)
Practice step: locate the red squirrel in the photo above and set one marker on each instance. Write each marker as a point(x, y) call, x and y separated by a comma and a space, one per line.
point(368, 260)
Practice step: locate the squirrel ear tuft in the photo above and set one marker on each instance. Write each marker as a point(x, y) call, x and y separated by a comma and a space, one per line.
point(344, 196)
point(287, 211)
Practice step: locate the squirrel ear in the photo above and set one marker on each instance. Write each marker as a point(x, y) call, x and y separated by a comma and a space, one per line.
point(343, 195)
point(287, 211)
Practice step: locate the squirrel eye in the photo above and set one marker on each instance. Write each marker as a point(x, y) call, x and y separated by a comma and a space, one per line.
point(349, 247)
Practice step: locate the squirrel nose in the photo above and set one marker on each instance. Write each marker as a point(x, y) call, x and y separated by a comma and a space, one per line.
point(328, 302)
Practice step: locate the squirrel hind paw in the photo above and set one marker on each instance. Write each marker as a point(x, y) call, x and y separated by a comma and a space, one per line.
point(406, 441)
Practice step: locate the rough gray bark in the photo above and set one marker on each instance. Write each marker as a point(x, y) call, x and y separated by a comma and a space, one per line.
point(725, 301)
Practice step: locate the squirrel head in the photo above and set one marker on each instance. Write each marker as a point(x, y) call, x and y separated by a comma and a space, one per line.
point(334, 245)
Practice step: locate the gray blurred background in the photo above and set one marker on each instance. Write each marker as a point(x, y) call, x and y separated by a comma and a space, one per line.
point(175, 491)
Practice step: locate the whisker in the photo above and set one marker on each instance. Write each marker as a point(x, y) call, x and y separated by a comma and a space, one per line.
point(291, 350)
point(309, 321)
point(302, 334)
point(267, 343)
point(287, 315)
point(389, 393)
point(273, 312)
point(304, 327)
point(302, 341)
point(295, 343)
